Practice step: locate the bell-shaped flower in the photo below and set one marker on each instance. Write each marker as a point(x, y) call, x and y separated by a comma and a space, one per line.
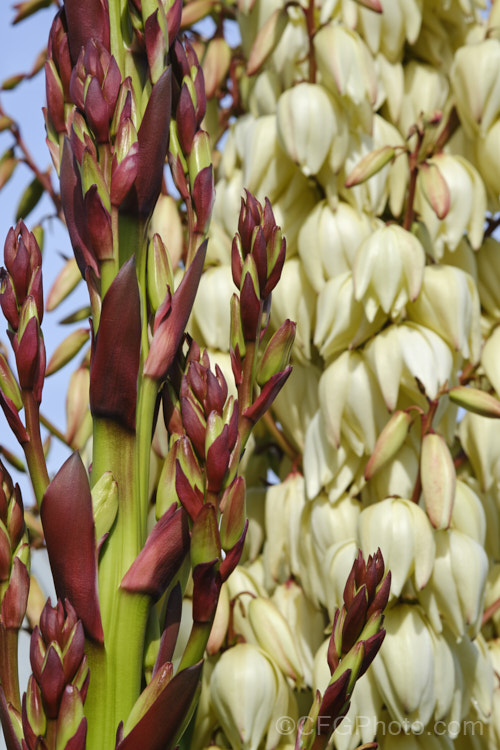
point(425, 91)
point(294, 299)
point(387, 32)
point(306, 623)
point(479, 437)
point(488, 276)
point(352, 403)
point(271, 170)
point(487, 159)
point(341, 321)
point(406, 539)
point(345, 64)
point(243, 690)
point(404, 669)
point(210, 318)
point(457, 584)
point(448, 304)
point(401, 354)
point(296, 404)
point(328, 241)
point(306, 125)
point(388, 270)
point(467, 203)
point(284, 505)
point(468, 514)
point(326, 465)
point(476, 87)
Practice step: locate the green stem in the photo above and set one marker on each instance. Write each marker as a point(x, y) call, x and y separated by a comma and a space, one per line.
point(117, 671)
point(9, 673)
point(195, 648)
point(33, 449)
point(115, 29)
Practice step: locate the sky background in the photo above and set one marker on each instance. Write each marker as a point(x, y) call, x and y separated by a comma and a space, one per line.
point(19, 47)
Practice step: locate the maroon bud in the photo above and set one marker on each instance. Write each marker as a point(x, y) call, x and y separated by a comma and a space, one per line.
point(206, 588)
point(15, 598)
point(8, 301)
point(185, 116)
point(174, 15)
point(86, 21)
point(267, 395)
point(161, 557)
point(188, 493)
point(99, 225)
point(354, 620)
point(203, 198)
point(55, 97)
point(233, 556)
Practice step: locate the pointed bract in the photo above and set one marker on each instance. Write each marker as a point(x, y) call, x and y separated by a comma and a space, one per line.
point(66, 515)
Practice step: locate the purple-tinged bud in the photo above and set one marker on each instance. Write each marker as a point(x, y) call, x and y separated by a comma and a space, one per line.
point(217, 452)
point(8, 383)
point(86, 21)
point(185, 116)
point(161, 557)
point(277, 354)
point(71, 723)
point(15, 598)
point(8, 301)
point(58, 51)
point(154, 38)
point(250, 304)
point(99, 224)
point(236, 260)
point(194, 422)
point(55, 97)
point(232, 506)
point(160, 276)
point(203, 198)
point(174, 15)
point(34, 719)
point(5, 554)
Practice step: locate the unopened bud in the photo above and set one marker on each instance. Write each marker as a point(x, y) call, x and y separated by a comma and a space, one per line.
point(438, 476)
point(476, 401)
point(277, 354)
point(388, 442)
point(159, 272)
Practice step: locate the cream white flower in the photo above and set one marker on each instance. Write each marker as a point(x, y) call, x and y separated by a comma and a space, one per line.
point(405, 666)
point(388, 270)
point(351, 402)
point(210, 316)
point(306, 623)
point(488, 276)
point(400, 354)
point(388, 31)
point(328, 241)
point(467, 202)
point(326, 466)
point(448, 304)
point(425, 91)
point(294, 298)
point(296, 404)
point(457, 584)
point(476, 87)
point(403, 532)
point(480, 438)
point(345, 64)
point(306, 125)
point(340, 319)
point(284, 504)
point(243, 711)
